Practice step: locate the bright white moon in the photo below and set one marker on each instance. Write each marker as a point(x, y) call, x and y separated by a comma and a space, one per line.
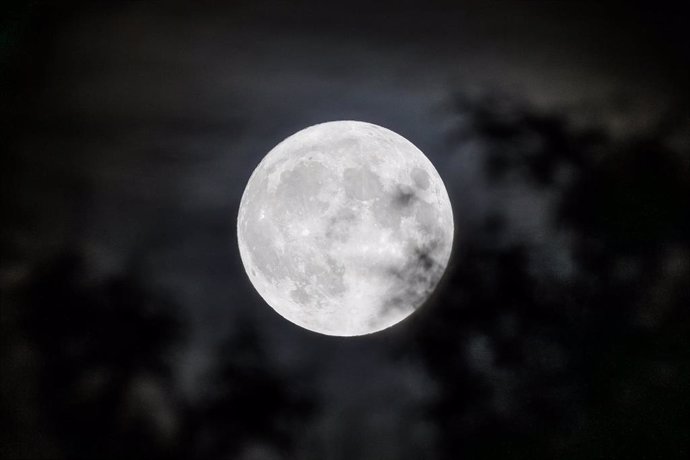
point(345, 228)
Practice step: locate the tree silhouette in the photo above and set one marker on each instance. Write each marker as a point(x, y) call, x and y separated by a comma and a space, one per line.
point(104, 352)
point(535, 367)
point(249, 403)
point(104, 349)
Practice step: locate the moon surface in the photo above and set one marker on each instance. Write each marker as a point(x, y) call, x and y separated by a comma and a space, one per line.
point(345, 228)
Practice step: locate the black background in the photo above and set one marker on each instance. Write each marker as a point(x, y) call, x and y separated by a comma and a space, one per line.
point(129, 329)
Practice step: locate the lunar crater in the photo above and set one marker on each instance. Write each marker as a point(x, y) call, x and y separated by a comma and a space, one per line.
point(404, 197)
point(361, 184)
point(420, 178)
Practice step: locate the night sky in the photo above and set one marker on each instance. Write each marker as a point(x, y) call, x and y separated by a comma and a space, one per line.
point(129, 329)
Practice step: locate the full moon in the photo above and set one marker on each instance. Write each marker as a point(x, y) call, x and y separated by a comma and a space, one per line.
point(345, 228)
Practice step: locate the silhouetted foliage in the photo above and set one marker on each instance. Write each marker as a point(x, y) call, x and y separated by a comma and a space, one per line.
point(104, 353)
point(249, 402)
point(105, 384)
point(572, 368)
